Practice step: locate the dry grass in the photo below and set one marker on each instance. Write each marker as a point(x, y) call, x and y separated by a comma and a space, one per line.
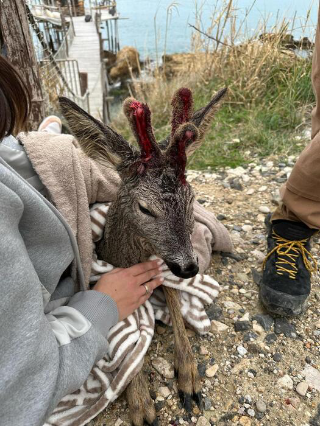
point(270, 92)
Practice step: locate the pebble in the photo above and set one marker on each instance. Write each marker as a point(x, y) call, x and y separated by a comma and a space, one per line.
point(264, 209)
point(245, 421)
point(202, 421)
point(247, 228)
point(250, 191)
point(241, 350)
point(261, 406)
point(160, 330)
point(211, 371)
point(270, 338)
point(203, 350)
point(164, 391)
point(207, 403)
point(242, 326)
point(262, 188)
point(257, 327)
point(277, 357)
point(218, 327)
point(231, 305)
point(118, 422)
point(251, 412)
point(312, 377)
point(214, 312)
point(163, 367)
point(265, 320)
point(285, 382)
point(282, 326)
point(259, 255)
point(302, 388)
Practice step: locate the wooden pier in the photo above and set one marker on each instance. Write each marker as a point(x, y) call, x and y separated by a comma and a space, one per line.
point(86, 50)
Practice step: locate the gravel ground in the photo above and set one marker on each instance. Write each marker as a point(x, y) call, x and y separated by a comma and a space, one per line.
point(263, 370)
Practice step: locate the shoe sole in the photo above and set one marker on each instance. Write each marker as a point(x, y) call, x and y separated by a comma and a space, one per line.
point(282, 304)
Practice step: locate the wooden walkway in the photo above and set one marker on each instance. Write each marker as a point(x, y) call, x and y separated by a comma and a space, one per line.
point(85, 49)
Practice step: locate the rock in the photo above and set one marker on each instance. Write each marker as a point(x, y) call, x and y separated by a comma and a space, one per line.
point(221, 217)
point(270, 338)
point(317, 324)
point(245, 317)
point(312, 377)
point(251, 412)
point(277, 357)
point(190, 333)
point(245, 421)
point(257, 327)
point(241, 350)
point(126, 57)
point(264, 209)
point(231, 305)
point(282, 326)
point(163, 367)
point(160, 330)
point(159, 405)
point(247, 228)
point(264, 320)
point(302, 388)
point(295, 402)
point(218, 327)
point(211, 371)
point(118, 422)
point(262, 188)
point(242, 277)
point(261, 406)
point(202, 421)
point(203, 350)
point(214, 312)
point(259, 255)
point(250, 191)
point(164, 391)
point(207, 403)
point(249, 336)
point(242, 326)
point(285, 382)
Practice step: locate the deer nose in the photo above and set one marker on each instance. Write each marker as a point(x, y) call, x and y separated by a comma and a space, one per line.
point(188, 271)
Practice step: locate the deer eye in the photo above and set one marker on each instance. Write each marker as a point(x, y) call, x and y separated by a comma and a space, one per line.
point(145, 211)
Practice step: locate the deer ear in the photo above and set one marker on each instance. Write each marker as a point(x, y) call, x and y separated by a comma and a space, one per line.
point(97, 140)
point(203, 117)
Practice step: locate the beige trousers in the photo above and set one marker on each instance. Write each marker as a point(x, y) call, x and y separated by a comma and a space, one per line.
point(301, 193)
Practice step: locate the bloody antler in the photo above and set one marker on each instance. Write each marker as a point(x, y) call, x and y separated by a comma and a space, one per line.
point(139, 117)
point(182, 108)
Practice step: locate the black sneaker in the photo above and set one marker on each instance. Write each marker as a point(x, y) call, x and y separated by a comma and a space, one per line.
point(287, 268)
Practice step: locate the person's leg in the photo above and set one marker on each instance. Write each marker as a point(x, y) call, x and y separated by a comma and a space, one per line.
point(288, 266)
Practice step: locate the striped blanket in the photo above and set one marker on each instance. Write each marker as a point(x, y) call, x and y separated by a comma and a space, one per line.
point(130, 339)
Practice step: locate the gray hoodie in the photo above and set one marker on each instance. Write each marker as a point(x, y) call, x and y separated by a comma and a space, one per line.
point(50, 338)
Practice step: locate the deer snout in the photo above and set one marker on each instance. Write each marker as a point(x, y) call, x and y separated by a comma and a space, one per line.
point(187, 271)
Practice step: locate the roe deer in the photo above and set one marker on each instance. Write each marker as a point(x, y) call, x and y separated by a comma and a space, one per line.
point(152, 214)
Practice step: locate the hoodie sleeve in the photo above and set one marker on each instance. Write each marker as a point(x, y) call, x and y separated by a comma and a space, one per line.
point(43, 357)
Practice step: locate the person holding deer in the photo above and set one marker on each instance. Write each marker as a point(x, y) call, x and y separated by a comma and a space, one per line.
point(53, 326)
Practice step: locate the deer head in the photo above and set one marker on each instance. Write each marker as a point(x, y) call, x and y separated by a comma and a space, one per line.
point(155, 202)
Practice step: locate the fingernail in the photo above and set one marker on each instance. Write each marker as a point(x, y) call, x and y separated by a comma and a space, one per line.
point(159, 262)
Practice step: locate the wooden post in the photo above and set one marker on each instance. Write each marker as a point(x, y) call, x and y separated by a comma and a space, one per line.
point(15, 34)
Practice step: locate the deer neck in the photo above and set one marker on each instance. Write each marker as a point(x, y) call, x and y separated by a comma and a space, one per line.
point(120, 245)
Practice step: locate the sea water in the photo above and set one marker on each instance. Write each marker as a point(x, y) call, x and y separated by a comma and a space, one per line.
point(151, 21)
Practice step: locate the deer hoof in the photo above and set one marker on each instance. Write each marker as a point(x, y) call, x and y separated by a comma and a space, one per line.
point(197, 397)
point(186, 401)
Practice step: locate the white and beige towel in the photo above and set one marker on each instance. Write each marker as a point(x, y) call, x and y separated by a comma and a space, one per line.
point(130, 339)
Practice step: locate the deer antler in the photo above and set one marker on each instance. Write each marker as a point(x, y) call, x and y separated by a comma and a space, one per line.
point(139, 117)
point(182, 108)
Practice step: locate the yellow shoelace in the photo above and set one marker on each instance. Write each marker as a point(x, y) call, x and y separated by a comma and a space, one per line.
point(291, 250)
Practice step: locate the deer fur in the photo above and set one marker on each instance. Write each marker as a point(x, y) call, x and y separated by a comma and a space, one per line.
point(152, 214)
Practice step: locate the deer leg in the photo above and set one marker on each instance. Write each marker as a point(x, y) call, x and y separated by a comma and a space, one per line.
point(141, 406)
point(189, 384)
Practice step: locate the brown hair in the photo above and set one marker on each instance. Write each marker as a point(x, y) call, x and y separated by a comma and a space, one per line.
point(15, 100)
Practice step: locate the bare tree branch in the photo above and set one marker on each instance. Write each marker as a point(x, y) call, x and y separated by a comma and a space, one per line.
point(209, 36)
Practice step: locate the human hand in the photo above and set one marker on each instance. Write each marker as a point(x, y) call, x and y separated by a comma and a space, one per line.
point(126, 285)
